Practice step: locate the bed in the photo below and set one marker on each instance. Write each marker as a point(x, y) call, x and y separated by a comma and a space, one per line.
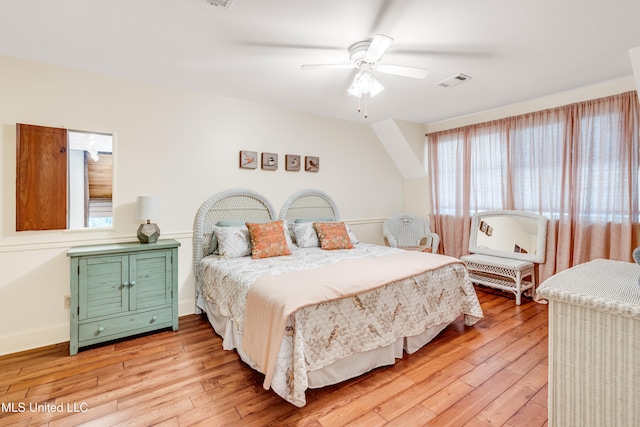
point(360, 321)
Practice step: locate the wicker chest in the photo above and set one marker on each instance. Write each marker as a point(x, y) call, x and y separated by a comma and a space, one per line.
point(594, 344)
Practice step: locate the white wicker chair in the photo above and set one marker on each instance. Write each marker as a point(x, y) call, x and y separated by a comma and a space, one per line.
point(409, 232)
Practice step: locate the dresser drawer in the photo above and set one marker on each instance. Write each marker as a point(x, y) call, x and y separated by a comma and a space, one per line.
point(129, 323)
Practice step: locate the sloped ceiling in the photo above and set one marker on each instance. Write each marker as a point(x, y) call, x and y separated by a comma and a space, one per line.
point(404, 144)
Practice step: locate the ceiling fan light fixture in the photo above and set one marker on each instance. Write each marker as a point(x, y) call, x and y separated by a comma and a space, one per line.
point(353, 91)
point(376, 87)
point(364, 83)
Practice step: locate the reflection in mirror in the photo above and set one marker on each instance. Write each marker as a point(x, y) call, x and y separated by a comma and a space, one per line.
point(90, 180)
point(509, 234)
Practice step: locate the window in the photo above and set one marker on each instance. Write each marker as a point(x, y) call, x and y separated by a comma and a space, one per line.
point(550, 162)
point(577, 165)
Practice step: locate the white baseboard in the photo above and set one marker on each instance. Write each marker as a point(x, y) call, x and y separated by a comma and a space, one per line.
point(34, 339)
point(30, 340)
point(186, 307)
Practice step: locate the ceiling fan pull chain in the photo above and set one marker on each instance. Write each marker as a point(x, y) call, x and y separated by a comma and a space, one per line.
point(365, 106)
point(363, 96)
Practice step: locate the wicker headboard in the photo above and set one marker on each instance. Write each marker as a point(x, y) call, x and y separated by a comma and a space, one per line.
point(309, 205)
point(234, 204)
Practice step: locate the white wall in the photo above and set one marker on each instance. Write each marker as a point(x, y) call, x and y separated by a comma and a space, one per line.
point(417, 191)
point(599, 90)
point(634, 55)
point(179, 145)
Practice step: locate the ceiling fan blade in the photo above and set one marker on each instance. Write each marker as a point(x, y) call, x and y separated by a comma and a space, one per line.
point(386, 15)
point(377, 48)
point(401, 70)
point(444, 52)
point(327, 66)
point(276, 45)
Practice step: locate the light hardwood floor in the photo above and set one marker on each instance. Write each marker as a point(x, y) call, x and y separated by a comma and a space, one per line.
point(491, 374)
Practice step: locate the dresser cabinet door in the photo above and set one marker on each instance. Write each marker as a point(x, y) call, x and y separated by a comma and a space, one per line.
point(105, 287)
point(150, 276)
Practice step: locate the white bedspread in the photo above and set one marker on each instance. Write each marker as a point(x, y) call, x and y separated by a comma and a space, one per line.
point(272, 299)
point(228, 280)
point(369, 320)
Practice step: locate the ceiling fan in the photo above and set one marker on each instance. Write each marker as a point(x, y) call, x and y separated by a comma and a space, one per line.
point(365, 56)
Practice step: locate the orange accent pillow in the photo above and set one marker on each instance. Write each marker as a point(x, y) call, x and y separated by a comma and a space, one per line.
point(267, 239)
point(333, 235)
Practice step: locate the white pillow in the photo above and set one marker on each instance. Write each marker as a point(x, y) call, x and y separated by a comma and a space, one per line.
point(287, 234)
point(305, 234)
point(352, 236)
point(233, 242)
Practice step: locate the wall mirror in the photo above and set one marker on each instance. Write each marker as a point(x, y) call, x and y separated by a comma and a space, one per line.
point(509, 234)
point(90, 178)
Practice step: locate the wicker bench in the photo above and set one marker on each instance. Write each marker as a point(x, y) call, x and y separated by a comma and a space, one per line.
point(502, 273)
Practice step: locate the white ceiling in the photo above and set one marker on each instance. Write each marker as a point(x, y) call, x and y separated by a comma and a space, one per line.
point(514, 50)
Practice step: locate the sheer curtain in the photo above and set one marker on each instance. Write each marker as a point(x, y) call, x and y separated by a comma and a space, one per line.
point(576, 164)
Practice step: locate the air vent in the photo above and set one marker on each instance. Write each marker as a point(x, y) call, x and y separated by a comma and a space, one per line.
point(454, 80)
point(222, 3)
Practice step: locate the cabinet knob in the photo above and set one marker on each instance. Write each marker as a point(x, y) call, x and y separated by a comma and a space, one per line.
point(125, 284)
point(154, 318)
point(133, 283)
point(100, 328)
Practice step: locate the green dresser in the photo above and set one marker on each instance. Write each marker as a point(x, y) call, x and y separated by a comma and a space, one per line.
point(123, 289)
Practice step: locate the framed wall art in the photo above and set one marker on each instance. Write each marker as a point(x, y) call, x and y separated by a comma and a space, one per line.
point(312, 164)
point(269, 161)
point(292, 162)
point(248, 159)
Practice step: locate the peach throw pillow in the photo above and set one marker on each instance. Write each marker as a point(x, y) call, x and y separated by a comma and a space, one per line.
point(333, 235)
point(267, 239)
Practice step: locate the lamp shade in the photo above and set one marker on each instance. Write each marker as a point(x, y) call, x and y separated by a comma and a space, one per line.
point(147, 208)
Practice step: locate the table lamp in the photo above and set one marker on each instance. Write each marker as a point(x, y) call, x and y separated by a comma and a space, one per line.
point(148, 208)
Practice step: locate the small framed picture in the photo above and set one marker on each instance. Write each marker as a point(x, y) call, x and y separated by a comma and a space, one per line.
point(312, 164)
point(269, 161)
point(248, 159)
point(483, 226)
point(489, 230)
point(292, 162)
